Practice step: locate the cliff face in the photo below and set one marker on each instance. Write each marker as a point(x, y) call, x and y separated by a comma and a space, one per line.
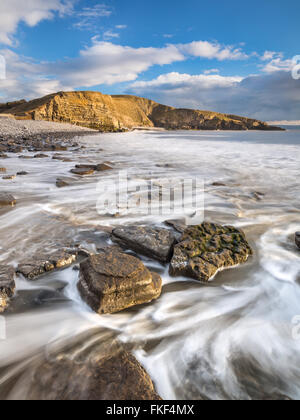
point(121, 112)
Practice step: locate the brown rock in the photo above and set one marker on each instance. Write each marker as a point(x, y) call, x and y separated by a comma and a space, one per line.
point(2, 170)
point(7, 200)
point(208, 248)
point(7, 285)
point(83, 171)
point(111, 374)
point(9, 177)
point(113, 281)
point(41, 265)
point(40, 156)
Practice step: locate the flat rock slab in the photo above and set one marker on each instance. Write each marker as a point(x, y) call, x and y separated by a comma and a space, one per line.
point(41, 265)
point(112, 281)
point(297, 239)
point(153, 242)
point(205, 249)
point(7, 200)
point(7, 285)
point(113, 375)
point(83, 171)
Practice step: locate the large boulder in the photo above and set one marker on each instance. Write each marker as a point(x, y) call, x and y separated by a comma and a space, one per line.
point(153, 242)
point(297, 239)
point(207, 248)
point(111, 375)
point(113, 281)
point(7, 285)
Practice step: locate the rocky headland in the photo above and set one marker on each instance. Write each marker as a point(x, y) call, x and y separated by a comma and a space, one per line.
point(107, 113)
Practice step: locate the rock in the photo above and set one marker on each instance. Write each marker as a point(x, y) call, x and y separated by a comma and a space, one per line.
point(83, 171)
point(40, 156)
point(22, 173)
point(208, 248)
point(41, 265)
point(7, 200)
point(3, 170)
point(103, 167)
point(3, 156)
point(218, 184)
point(153, 242)
point(102, 374)
point(178, 224)
point(25, 157)
point(9, 177)
point(7, 285)
point(112, 281)
point(297, 239)
point(60, 183)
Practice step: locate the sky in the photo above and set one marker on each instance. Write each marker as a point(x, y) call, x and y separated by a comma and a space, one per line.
point(226, 56)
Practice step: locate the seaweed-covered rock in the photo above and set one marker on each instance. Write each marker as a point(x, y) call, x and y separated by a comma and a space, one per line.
point(207, 248)
point(112, 281)
point(111, 375)
point(153, 242)
point(7, 285)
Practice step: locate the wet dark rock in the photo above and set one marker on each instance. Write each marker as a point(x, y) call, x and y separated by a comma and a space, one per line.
point(60, 183)
point(258, 196)
point(103, 167)
point(83, 171)
point(3, 156)
point(218, 184)
point(178, 224)
point(153, 242)
point(102, 374)
point(9, 177)
point(41, 264)
point(40, 156)
point(112, 281)
point(205, 249)
point(22, 173)
point(7, 200)
point(7, 285)
point(297, 239)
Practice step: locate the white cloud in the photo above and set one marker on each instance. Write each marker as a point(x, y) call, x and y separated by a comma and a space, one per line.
point(121, 26)
point(31, 12)
point(88, 16)
point(267, 97)
point(269, 55)
point(205, 49)
point(110, 35)
point(186, 81)
point(211, 71)
point(278, 64)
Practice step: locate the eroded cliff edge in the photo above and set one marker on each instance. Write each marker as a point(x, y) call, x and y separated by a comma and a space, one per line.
point(121, 112)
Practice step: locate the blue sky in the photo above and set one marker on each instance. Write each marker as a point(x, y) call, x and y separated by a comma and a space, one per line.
point(228, 56)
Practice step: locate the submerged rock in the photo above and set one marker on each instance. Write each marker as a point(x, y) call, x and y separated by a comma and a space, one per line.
point(208, 248)
point(113, 281)
point(60, 183)
point(41, 265)
point(153, 242)
point(114, 374)
point(7, 200)
point(297, 239)
point(7, 285)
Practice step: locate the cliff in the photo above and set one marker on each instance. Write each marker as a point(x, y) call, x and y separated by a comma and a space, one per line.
point(121, 112)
